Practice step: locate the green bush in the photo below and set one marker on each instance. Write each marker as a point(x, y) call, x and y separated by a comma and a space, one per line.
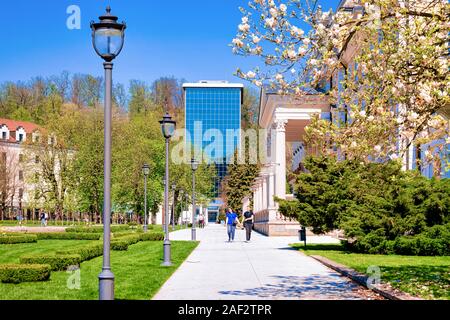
point(17, 273)
point(14, 239)
point(380, 207)
point(119, 245)
point(68, 236)
point(97, 229)
point(124, 242)
point(57, 262)
point(87, 252)
point(152, 236)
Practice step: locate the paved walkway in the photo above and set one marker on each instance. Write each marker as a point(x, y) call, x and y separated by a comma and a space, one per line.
point(265, 268)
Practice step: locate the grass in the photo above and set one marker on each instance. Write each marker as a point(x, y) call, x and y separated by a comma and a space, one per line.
point(426, 277)
point(138, 272)
point(11, 253)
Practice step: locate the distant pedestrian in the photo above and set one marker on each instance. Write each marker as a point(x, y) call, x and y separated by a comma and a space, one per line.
point(231, 222)
point(248, 221)
point(201, 220)
point(45, 219)
point(20, 218)
point(42, 218)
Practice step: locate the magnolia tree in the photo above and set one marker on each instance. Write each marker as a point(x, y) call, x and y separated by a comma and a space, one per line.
point(396, 60)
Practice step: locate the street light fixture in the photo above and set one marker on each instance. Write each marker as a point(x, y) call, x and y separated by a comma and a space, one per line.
point(194, 166)
point(168, 129)
point(146, 172)
point(108, 39)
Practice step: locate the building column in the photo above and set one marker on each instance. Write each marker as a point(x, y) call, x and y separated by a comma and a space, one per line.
point(280, 158)
point(264, 193)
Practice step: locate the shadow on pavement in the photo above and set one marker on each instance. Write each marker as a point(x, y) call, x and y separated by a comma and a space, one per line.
point(310, 287)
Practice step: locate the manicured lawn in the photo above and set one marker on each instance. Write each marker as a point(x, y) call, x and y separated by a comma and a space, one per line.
point(427, 277)
point(11, 253)
point(138, 272)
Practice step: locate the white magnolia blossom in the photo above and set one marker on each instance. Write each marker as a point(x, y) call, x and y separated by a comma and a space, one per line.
point(270, 22)
point(273, 12)
point(251, 74)
point(292, 54)
point(238, 43)
point(297, 31)
point(377, 148)
point(306, 41)
point(244, 27)
point(302, 51)
point(256, 39)
point(279, 77)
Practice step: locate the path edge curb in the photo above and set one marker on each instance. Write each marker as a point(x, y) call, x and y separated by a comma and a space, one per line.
point(361, 279)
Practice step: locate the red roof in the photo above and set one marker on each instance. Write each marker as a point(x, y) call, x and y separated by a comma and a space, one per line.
point(13, 125)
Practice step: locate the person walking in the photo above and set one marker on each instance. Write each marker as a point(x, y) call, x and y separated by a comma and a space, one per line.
point(248, 220)
point(231, 222)
point(201, 220)
point(42, 217)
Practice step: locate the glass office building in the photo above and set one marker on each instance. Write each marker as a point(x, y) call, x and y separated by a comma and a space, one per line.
point(213, 121)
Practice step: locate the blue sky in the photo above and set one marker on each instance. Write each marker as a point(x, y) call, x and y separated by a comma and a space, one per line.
point(186, 39)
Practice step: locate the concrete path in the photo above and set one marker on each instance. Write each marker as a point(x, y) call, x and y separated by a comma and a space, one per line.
point(265, 268)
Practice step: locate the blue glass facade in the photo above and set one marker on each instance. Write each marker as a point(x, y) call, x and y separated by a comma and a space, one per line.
point(213, 121)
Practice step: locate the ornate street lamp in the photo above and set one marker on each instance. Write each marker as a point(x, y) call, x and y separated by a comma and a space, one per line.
point(146, 172)
point(108, 38)
point(194, 166)
point(168, 129)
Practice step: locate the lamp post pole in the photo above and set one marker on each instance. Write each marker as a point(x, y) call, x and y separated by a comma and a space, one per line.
point(145, 204)
point(194, 165)
point(166, 211)
point(168, 129)
point(173, 207)
point(108, 39)
point(106, 277)
point(146, 171)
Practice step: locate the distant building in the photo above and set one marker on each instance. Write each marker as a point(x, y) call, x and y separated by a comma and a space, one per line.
point(213, 123)
point(14, 190)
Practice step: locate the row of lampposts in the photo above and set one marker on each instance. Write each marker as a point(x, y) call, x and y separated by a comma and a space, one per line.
point(108, 39)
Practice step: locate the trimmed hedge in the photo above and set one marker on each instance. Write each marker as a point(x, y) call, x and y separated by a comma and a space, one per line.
point(88, 252)
point(17, 273)
point(97, 229)
point(14, 239)
point(124, 242)
point(68, 236)
point(151, 236)
point(57, 262)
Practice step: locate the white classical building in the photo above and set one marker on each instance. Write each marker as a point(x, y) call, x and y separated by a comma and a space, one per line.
point(285, 119)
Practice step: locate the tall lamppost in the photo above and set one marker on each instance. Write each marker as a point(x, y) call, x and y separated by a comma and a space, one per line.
point(108, 38)
point(174, 186)
point(146, 172)
point(182, 206)
point(194, 166)
point(168, 129)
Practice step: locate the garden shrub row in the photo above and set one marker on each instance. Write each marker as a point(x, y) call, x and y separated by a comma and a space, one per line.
point(57, 262)
point(68, 236)
point(123, 243)
point(17, 273)
point(97, 229)
point(434, 241)
point(14, 239)
point(87, 252)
